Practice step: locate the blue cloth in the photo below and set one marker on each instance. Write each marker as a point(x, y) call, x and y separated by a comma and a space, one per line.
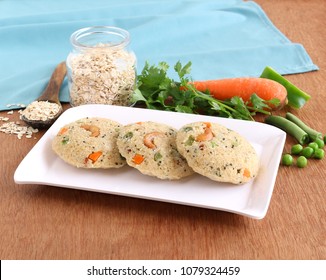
point(222, 38)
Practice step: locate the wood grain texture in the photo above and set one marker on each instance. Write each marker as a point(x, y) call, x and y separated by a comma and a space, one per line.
point(42, 222)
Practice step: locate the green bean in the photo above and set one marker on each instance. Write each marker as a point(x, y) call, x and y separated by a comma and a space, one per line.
point(313, 134)
point(296, 97)
point(289, 127)
point(302, 162)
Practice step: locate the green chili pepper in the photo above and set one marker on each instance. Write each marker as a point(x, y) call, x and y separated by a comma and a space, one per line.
point(296, 97)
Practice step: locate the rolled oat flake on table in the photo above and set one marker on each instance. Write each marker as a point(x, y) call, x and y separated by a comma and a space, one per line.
point(101, 67)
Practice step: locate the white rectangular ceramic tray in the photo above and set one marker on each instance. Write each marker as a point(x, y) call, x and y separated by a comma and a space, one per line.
point(42, 166)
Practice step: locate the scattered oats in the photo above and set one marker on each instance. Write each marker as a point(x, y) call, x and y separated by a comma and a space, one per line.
point(17, 129)
point(102, 76)
point(16, 105)
point(5, 119)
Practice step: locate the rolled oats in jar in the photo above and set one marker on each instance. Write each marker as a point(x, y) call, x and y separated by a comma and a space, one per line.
point(101, 67)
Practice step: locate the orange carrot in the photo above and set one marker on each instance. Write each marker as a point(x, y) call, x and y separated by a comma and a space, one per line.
point(94, 156)
point(62, 131)
point(224, 89)
point(246, 173)
point(138, 159)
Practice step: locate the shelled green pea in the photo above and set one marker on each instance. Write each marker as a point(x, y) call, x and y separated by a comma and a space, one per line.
point(313, 145)
point(319, 153)
point(302, 162)
point(296, 149)
point(320, 143)
point(307, 152)
point(287, 160)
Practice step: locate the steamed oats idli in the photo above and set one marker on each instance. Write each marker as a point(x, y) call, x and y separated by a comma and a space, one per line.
point(217, 152)
point(150, 147)
point(89, 143)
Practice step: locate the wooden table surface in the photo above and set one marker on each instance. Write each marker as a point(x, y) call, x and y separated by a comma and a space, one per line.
point(45, 222)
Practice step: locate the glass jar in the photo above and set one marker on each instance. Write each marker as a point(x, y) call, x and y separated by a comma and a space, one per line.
point(101, 67)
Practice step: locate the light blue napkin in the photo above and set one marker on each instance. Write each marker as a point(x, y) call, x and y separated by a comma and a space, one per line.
point(222, 38)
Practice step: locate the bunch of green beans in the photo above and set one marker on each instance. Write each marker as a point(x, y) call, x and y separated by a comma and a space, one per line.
point(292, 125)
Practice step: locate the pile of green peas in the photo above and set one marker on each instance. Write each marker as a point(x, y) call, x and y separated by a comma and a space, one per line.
point(314, 149)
